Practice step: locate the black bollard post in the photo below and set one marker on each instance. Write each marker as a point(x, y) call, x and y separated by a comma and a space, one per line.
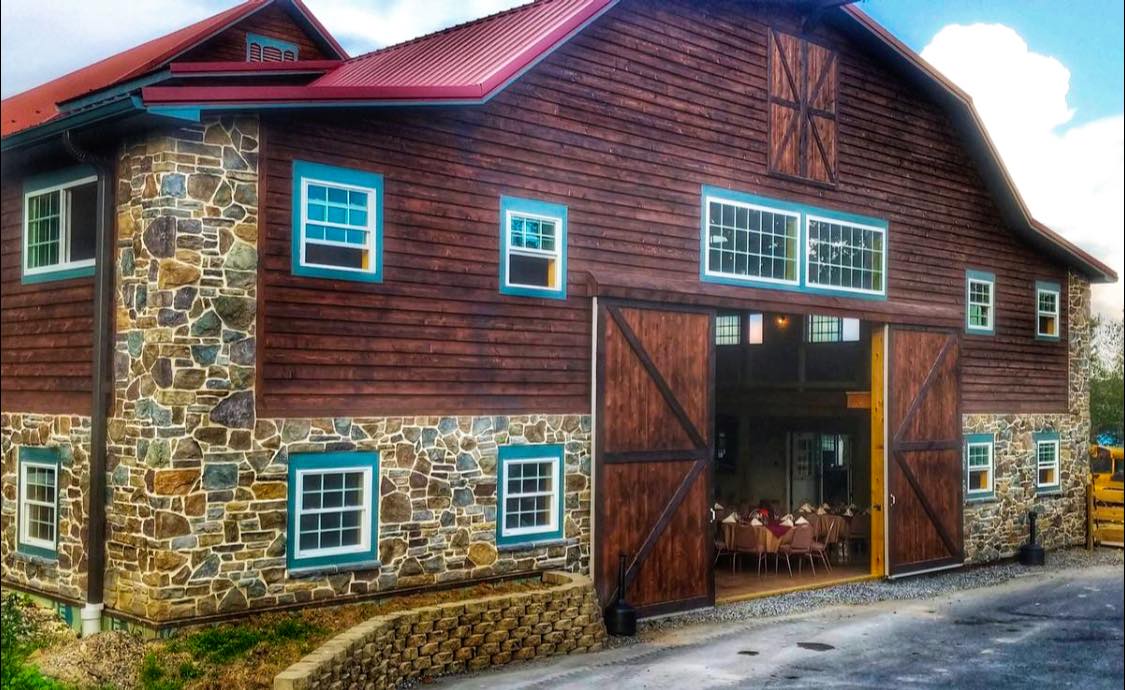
point(621, 618)
point(1032, 553)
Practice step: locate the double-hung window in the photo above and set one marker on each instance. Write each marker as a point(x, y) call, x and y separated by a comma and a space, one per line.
point(979, 463)
point(1047, 310)
point(60, 213)
point(1047, 462)
point(337, 223)
point(845, 256)
point(750, 242)
point(980, 302)
point(333, 509)
point(530, 494)
point(533, 248)
point(38, 501)
point(768, 243)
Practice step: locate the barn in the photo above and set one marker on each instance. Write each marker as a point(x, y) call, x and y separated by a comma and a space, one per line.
point(591, 285)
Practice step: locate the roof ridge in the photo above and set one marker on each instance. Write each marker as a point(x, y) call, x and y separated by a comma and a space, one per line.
point(453, 27)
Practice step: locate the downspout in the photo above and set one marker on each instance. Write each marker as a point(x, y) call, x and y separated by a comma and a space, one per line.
point(103, 340)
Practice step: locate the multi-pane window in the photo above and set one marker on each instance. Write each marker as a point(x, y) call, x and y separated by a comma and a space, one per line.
point(831, 329)
point(978, 466)
point(980, 302)
point(1047, 310)
point(845, 256)
point(333, 508)
point(38, 501)
point(59, 226)
point(534, 248)
point(728, 329)
point(337, 224)
point(530, 493)
point(751, 242)
point(1047, 462)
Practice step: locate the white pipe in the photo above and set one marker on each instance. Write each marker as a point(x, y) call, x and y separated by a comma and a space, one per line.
point(91, 619)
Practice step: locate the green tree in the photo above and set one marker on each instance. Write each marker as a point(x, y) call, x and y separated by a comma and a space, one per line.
point(1107, 388)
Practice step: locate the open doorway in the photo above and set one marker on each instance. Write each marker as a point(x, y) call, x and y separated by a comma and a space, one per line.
point(795, 467)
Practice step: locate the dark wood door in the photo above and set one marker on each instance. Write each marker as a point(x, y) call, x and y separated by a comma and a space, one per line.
point(655, 390)
point(924, 473)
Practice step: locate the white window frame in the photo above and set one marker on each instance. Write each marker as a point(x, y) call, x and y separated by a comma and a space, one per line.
point(810, 218)
point(64, 228)
point(970, 492)
point(556, 497)
point(370, 228)
point(1039, 313)
point(365, 540)
point(708, 271)
point(1054, 465)
point(991, 325)
point(556, 255)
point(24, 502)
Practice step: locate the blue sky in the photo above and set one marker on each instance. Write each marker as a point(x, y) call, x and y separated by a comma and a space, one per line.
point(1085, 35)
point(1045, 75)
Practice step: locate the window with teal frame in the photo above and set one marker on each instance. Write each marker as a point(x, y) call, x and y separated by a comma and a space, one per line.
point(760, 242)
point(333, 510)
point(1047, 449)
point(529, 494)
point(60, 212)
point(337, 223)
point(1048, 314)
point(38, 502)
point(532, 248)
point(268, 49)
point(980, 302)
point(979, 466)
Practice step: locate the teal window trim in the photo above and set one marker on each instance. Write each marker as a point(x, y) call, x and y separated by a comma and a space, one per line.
point(979, 277)
point(270, 42)
point(1042, 286)
point(1048, 437)
point(305, 172)
point(507, 455)
point(509, 206)
point(804, 212)
point(44, 457)
point(302, 463)
point(974, 495)
point(54, 181)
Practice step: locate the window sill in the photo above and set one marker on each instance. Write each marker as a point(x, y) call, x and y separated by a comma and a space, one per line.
point(528, 545)
point(61, 274)
point(979, 500)
point(1048, 493)
point(35, 559)
point(299, 572)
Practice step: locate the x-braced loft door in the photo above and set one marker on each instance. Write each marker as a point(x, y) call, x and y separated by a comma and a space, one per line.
point(924, 474)
point(655, 393)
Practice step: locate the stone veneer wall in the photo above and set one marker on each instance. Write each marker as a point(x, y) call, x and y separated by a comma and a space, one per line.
point(65, 576)
point(397, 648)
point(199, 482)
point(995, 528)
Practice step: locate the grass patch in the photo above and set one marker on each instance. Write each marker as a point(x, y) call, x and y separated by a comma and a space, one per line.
point(20, 636)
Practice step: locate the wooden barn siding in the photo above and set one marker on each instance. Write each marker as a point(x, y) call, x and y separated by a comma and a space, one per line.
point(622, 125)
point(46, 329)
point(272, 21)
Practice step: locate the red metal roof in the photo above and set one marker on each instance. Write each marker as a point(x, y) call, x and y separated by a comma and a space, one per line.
point(40, 104)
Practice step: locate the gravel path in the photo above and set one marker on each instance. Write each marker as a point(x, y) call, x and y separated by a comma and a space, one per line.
point(857, 593)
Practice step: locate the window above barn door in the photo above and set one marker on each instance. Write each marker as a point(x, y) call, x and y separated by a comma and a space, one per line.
point(803, 87)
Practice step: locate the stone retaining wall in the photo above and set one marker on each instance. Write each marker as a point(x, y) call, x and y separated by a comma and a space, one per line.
point(466, 635)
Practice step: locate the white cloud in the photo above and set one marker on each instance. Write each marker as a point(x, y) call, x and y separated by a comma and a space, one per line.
point(1072, 176)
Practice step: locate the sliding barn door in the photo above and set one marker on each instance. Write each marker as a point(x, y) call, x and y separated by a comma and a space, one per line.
point(924, 473)
point(655, 389)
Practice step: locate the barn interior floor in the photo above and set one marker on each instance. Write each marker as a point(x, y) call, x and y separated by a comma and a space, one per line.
point(747, 584)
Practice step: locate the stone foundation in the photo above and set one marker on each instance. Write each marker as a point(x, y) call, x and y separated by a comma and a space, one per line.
point(66, 575)
point(473, 634)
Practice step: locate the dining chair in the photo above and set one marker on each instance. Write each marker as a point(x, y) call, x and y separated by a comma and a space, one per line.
point(800, 546)
point(747, 542)
point(820, 548)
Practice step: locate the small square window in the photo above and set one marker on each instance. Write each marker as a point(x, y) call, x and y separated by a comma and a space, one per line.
point(530, 501)
point(728, 329)
point(337, 223)
point(533, 248)
point(980, 302)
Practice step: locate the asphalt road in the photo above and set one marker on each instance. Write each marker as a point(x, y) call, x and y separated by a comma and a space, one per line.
point(1062, 630)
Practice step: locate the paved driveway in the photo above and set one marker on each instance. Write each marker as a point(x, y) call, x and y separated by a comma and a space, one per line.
point(1061, 630)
